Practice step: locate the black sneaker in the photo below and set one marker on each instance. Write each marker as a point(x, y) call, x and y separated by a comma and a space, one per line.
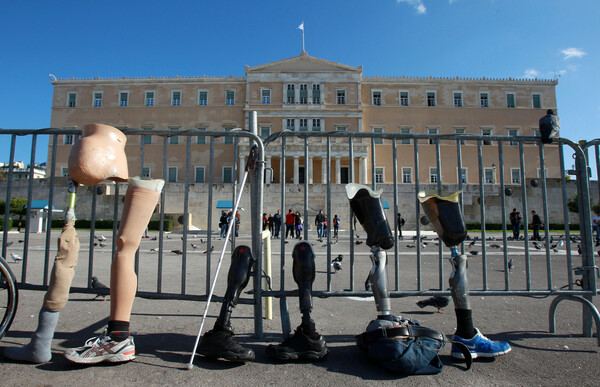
point(221, 345)
point(299, 346)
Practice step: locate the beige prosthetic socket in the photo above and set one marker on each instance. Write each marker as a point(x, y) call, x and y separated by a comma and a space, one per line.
point(64, 269)
point(140, 201)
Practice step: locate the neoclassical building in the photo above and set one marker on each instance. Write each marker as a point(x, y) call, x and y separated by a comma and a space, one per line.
point(308, 94)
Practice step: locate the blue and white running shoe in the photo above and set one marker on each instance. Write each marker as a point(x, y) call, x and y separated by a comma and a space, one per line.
point(480, 346)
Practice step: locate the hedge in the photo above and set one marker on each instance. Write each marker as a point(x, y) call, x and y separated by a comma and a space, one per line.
point(10, 224)
point(498, 226)
point(108, 224)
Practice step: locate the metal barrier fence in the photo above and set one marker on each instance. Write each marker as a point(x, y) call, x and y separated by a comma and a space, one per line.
point(424, 266)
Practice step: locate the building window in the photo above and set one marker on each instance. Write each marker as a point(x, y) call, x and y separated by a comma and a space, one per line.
point(407, 175)
point(198, 174)
point(290, 124)
point(341, 128)
point(488, 175)
point(176, 98)
point(202, 98)
point(64, 171)
point(463, 175)
point(510, 100)
point(146, 172)
point(147, 139)
point(404, 98)
point(539, 172)
point(431, 98)
point(172, 174)
point(266, 96)
point(458, 100)
point(68, 139)
point(341, 97)
point(227, 139)
point(460, 131)
point(515, 175)
point(303, 124)
point(123, 98)
point(433, 175)
point(265, 131)
point(229, 97)
point(149, 98)
point(377, 98)
point(378, 174)
point(513, 133)
point(484, 100)
point(291, 94)
point(304, 94)
point(432, 131)
point(486, 132)
point(536, 101)
point(72, 100)
point(316, 94)
point(316, 125)
point(405, 141)
point(376, 139)
point(98, 99)
point(227, 174)
point(201, 139)
point(174, 139)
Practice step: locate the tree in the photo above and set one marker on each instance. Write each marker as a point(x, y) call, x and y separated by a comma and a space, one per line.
point(17, 207)
point(573, 205)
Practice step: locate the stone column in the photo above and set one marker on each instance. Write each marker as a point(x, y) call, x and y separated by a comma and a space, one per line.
point(296, 170)
point(242, 168)
point(362, 170)
point(324, 170)
point(338, 170)
point(309, 169)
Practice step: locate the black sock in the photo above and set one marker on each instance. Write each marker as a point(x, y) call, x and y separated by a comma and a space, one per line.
point(118, 330)
point(464, 324)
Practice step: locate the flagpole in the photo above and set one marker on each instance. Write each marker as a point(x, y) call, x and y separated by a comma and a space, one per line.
point(303, 48)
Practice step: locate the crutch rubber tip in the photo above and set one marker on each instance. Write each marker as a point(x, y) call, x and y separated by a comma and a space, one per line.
point(189, 366)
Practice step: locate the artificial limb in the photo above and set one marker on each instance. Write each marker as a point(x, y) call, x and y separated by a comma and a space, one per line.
point(39, 348)
point(445, 217)
point(218, 342)
point(306, 343)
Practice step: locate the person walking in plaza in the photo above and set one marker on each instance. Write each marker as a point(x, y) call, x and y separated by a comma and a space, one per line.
point(596, 226)
point(271, 221)
point(515, 221)
point(298, 224)
point(401, 223)
point(223, 224)
point(265, 221)
point(290, 223)
point(336, 225)
point(536, 224)
point(277, 223)
point(319, 222)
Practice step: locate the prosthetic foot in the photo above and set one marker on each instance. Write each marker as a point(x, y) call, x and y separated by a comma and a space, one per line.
point(38, 349)
point(447, 221)
point(306, 343)
point(218, 343)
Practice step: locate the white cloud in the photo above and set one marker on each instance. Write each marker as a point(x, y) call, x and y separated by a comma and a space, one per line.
point(531, 74)
point(573, 52)
point(416, 4)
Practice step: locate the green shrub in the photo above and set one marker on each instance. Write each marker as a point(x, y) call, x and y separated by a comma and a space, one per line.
point(10, 221)
point(155, 225)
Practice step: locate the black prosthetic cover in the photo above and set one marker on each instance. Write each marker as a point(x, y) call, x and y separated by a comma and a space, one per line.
point(304, 275)
point(459, 283)
point(242, 263)
point(367, 207)
point(378, 280)
point(445, 217)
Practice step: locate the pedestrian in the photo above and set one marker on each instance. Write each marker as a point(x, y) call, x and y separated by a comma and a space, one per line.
point(596, 226)
point(271, 221)
point(290, 223)
point(237, 223)
point(515, 221)
point(319, 222)
point(336, 225)
point(401, 223)
point(298, 224)
point(223, 224)
point(265, 221)
point(536, 224)
point(277, 221)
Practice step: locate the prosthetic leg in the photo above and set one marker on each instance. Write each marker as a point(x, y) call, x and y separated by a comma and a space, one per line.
point(306, 343)
point(218, 342)
point(447, 221)
point(39, 348)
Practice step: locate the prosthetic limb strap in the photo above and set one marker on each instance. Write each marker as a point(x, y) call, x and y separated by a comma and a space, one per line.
point(242, 263)
point(304, 275)
point(408, 331)
point(459, 283)
point(378, 280)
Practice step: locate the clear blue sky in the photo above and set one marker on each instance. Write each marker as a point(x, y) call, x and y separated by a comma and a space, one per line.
point(471, 38)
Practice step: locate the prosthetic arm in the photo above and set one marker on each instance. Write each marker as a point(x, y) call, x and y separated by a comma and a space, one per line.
point(367, 207)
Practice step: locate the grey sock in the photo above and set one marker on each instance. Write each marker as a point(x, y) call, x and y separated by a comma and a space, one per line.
point(39, 348)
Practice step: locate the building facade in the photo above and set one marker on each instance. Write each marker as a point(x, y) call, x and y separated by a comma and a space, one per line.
point(308, 94)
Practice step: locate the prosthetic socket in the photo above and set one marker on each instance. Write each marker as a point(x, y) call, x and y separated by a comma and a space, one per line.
point(242, 263)
point(447, 221)
point(367, 207)
point(304, 275)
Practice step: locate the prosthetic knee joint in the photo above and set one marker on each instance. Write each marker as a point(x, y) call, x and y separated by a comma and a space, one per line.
point(447, 221)
point(367, 207)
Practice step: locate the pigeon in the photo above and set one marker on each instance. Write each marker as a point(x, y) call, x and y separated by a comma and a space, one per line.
point(475, 252)
point(511, 265)
point(411, 246)
point(101, 244)
point(337, 265)
point(496, 246)
point(598, 253)
point(155, 249)
point(212, 248)
point(202, 240)
point(537, 245)
point(101, 289)
point(440, 302)
point(579, 249)
point(557, 244)
point(359, 242)
point(472, 244)
point(9, 243)
point(177, 251)
point(15, 257)
point(21, 240)
point(168, 236)
point(101, 238)
point(195, 246)
point(154, 238)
